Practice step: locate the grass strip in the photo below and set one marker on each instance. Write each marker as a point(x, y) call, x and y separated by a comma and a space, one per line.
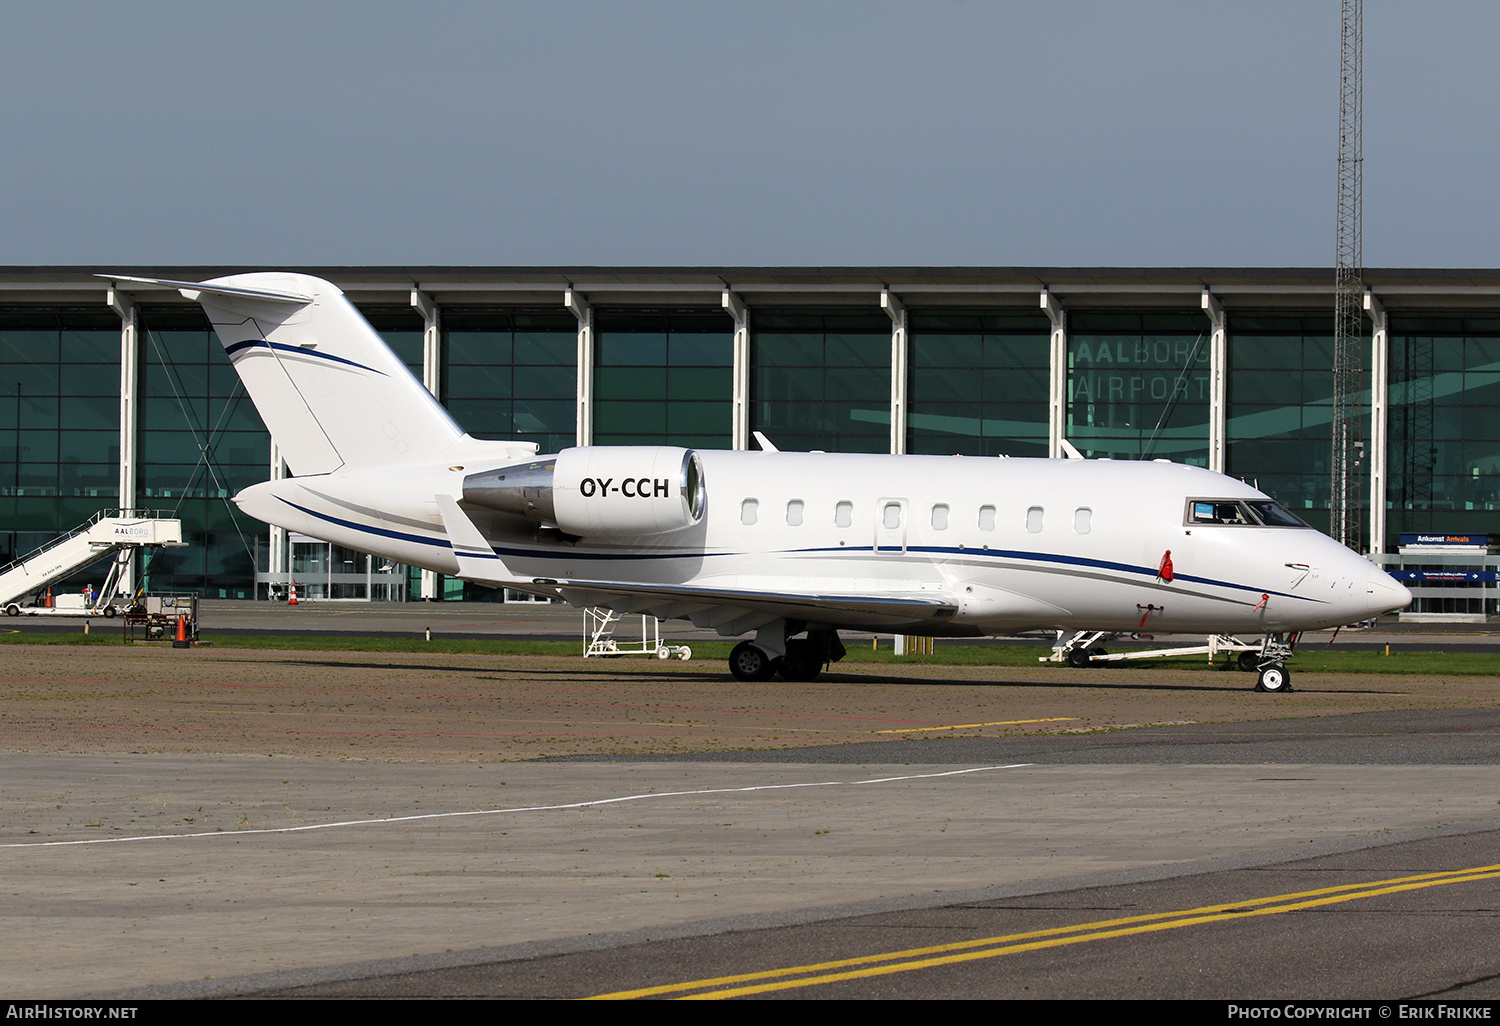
point(1313, 659)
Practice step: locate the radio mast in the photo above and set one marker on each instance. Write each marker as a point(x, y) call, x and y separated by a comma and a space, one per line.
point(1348, 337)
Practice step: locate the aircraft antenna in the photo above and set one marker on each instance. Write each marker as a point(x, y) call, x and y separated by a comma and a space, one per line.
point(1343, 502)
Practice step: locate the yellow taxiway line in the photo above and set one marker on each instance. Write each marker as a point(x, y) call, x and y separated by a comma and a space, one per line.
point(991, 947)
point(969, 726)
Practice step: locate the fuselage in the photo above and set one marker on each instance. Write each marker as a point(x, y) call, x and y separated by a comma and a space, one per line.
point(1009, 543)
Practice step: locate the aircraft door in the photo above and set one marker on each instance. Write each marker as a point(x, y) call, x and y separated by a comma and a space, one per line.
point(891, 516)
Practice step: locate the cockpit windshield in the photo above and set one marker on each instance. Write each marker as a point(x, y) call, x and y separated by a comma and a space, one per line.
point(1274, 514)
point(1241, 512)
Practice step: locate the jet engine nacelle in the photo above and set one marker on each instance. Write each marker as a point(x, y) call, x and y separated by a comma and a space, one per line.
point(599, 490)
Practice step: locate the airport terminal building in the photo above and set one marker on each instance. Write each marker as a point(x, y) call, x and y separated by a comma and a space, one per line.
point(120, 396)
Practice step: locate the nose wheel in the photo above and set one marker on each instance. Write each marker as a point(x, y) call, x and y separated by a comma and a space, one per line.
point(1274, 678)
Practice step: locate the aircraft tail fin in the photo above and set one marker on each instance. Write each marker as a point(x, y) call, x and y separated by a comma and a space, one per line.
point(328, 387)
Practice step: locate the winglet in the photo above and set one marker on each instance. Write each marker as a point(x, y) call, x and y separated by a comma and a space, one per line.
point(765, 443)
point(477, 561)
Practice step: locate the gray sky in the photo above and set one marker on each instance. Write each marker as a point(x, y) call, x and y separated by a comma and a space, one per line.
point(944, 133)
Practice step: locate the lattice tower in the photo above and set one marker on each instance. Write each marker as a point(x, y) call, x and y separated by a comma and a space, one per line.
point(1344, 498)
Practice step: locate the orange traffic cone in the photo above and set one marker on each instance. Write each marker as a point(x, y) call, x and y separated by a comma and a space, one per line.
point(47, 601)
point(182, 638)
point(293, 600)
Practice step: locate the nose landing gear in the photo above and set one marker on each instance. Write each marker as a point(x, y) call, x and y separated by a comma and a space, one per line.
point(1271, 673)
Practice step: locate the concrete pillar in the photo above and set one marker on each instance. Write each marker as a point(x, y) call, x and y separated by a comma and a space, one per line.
point(280, 561)
point(1379, 452)
point(896, 310)
point(432, 350)
point(1218, 376)
point(1057, 401)
point(584, 312)
point(130, 364)
point(432, 376)
point(739, 433)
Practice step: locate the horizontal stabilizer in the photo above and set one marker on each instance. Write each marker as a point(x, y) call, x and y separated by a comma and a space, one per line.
point(217, 290)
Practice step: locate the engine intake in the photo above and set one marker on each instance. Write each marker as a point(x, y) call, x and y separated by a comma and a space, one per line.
point(599, 490)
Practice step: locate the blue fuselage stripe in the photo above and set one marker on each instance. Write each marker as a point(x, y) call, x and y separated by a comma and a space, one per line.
point(1035, 557)
point(1052, 557)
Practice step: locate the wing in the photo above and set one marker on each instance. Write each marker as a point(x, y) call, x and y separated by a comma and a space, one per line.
point(729, 611)
point(733, 611)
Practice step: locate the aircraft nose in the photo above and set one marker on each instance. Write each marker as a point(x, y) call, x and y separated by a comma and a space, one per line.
point(1385, 594)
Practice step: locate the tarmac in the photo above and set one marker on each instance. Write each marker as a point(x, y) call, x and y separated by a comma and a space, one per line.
point(136, 871)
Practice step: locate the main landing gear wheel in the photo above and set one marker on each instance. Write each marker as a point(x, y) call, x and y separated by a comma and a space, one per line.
point(746, 662)
point(801, 661)
point(1249, 661)
point(1274, 678)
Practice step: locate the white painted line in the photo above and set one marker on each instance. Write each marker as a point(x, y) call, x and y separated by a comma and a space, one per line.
point(501, 812)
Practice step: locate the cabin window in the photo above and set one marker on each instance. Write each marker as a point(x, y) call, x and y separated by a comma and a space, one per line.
point(794, 513)
point(986, 518)
point(1083, 520)
point(749, 510)
point(1034, 520)
point(940, 517)
point(892, 515)
point(843, 514)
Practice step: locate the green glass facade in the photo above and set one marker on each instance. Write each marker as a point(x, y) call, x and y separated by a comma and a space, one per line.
point(1280, 408)
point(1444, 426)
point(1138, 385)
point(821, 379)
point(663, 378)
point(509, 374)
point(59, 421)
point(1136, 382)
point(200, 441)
point(512, 374)
point(977, 383)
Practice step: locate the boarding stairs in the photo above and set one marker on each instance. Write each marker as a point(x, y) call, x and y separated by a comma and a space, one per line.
point(108, 531)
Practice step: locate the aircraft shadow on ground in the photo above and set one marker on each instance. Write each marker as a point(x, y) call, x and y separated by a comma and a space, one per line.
point(715, 675)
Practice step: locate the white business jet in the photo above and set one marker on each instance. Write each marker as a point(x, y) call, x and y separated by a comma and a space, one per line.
point(791, 546)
